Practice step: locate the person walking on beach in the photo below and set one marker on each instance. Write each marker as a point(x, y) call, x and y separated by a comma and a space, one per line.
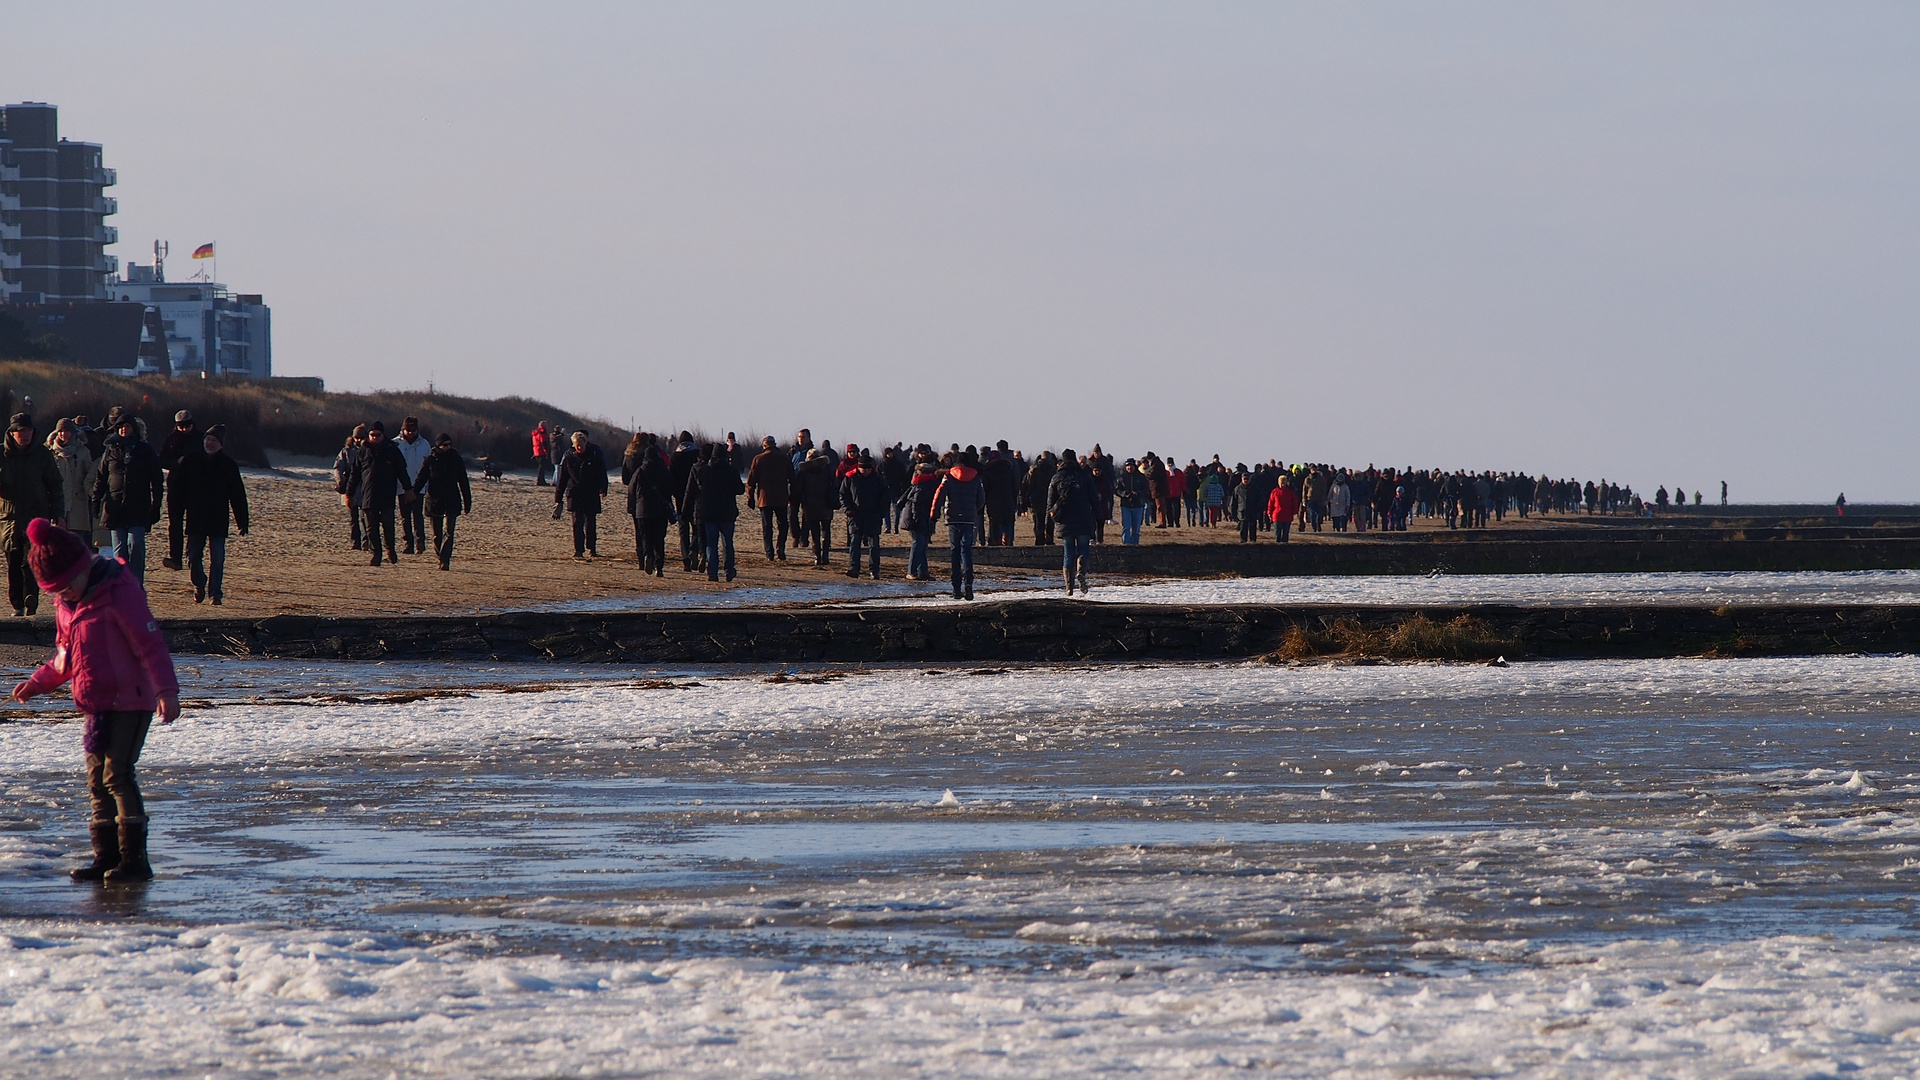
point(918, 515)
point(75, 462)
point(413, 519)
point(1033, 491)
point(813, 493)
point(107, 644)
point(184, 439)
point(342, 466)
point(712, 492)
point(961, 496)
point(210, 489)
point(30, 488)
point(578, 487)
point(129, 492)
point(445, 494)
point(769, 479)
point(1071, 502)
point(374, 481)
point(542, 464)
point(1283, 505)
point(650, 504)
point(866, 498)
point(1134, 495)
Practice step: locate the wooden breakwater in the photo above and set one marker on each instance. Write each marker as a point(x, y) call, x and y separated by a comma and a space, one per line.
point(1050, 630)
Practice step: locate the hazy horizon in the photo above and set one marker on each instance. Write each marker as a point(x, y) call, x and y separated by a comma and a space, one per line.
point(1666, 245)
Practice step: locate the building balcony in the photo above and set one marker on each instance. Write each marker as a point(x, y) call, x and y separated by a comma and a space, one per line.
point(9, 174)
point(107, 264)
point(106, 234)
point(9, 232)
point(106, 177)
point(106, 205)
point(9, 262)
point(9, 202)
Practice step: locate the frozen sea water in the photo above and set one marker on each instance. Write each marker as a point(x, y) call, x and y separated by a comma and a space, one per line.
point(1673, 868)
point(1799, 587)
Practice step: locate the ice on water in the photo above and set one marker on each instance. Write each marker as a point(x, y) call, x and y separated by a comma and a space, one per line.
point(1673, 868)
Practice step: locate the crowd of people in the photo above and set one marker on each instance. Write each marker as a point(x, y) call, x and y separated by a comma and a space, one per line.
point(980, 494)
point(109, 486)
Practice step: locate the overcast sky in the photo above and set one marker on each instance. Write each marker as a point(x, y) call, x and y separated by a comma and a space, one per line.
point(1667, 244)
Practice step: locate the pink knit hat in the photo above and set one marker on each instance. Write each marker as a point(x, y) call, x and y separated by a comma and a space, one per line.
point(56, 553)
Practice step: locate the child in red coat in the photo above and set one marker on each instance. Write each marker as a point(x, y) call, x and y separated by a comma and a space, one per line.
point(109, 646)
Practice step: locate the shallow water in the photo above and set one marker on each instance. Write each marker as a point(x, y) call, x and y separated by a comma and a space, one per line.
point(1240, 842)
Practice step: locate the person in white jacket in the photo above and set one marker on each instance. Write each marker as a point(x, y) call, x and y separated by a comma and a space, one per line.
point(413, 519)
point(1339, 502)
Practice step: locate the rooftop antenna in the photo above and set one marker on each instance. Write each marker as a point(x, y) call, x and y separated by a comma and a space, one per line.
point(160, 249)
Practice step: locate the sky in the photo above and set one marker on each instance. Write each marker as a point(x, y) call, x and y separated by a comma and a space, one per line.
point(1667, 244)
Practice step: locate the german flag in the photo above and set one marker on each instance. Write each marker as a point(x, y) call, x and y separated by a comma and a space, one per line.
point(204, 251)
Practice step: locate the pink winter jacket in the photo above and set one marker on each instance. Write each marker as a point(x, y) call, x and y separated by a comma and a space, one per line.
point(111, 647)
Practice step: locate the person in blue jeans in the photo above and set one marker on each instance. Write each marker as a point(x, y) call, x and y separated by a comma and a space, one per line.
point(713, 492)
point(1070, 501)
point(917, 513)
point(129, 492)
point(1134, 496)
point(961, 496)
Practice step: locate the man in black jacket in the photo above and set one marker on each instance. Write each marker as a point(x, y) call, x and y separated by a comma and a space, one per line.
point(650, 504)
point(1034, 492)
point(1002, 497)
point(207, 482)
point(680, 466)
point(864, 495)
point(579, 485)
point(1073, 501)
point(443, 485)
point(374, 482)
point(129, 492)
point(184, 439)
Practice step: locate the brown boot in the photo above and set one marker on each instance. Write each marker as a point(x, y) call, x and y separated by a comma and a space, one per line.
point(133, 854)
point(106, 852)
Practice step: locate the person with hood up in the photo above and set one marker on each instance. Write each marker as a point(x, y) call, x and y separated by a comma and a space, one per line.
point(961, 496)
point(918, 518)
point(107, 644)
point(864, 494)
point(813, 493)
point(650, 504)
point(30, 487)
point(578, 487)
point(445, 495)
point(374, 482)
point(129, 493)
point(712, 492)
point(207, 482)
point(74, 459)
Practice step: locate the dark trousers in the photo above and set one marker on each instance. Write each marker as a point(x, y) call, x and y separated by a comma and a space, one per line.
point(819, 532)
point(689, 554)
point(960, 553)
point(1249, 526)
point(443, 536)
point(650, 544)
point(999, 530)
point(413, 524)
point(21, 586)
point(773, 531)
point(379, 524)
point(1042, 529)
point(212, 577)
point(176, 528)
point(111, 786)
point(586, 532)
point(353, 526)
point(719, 548)
point(868, 538)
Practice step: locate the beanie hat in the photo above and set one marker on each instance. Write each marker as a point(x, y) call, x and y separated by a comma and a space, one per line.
point(20, 420)
point(218, 433)
point(55, 555)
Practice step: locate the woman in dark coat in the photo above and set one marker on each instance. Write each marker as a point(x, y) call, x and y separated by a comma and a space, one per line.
point(713, 492)
point(443, 480)
point(650, 502)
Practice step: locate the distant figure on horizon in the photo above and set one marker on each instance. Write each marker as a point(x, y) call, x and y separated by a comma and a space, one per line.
point(1840, 505)
point(1723, 493)
point(542, 464)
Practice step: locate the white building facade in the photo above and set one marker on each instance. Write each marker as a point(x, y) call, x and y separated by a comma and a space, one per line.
point(201, 326)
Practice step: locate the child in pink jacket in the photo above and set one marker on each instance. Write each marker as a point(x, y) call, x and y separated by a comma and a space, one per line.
point(110, 647)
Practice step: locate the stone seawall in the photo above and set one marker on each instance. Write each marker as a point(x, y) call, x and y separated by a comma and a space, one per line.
point(1029, 630)
point(1451, 556)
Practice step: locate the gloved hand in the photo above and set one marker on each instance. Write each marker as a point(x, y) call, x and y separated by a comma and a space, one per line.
point(556, 511)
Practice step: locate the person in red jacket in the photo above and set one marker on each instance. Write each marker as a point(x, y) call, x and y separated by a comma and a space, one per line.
point(109, 646)
point(542, 462)
point(1282, 506)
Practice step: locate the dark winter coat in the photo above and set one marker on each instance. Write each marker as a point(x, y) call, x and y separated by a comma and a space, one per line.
point(1071, 499)
point(648, 498)
point(713, 492)
point(864, 495)
point(443, 480)
point(1033, 489)
point(178, 445)
point(30, 487)
point(378, 473)
point(1002, 490)
point(919, 502)
point(209, 489)
point(961, 496)
point(813, 488)
point(1131, 489)
point(685, 458)
point(581, 481)
point(129, 488)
